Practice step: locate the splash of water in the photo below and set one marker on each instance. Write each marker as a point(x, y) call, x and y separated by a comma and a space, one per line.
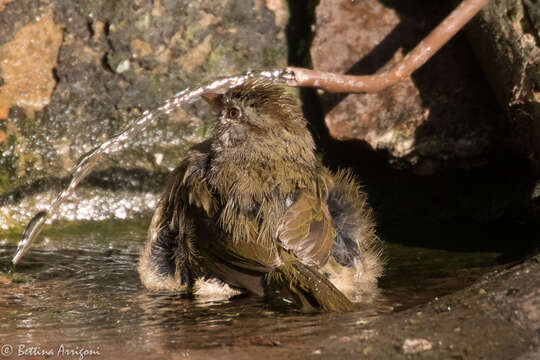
point(85, 166)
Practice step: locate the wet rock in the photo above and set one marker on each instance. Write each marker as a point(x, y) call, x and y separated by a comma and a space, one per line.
point(5, 280)
point(89, 203)
point(90, 68)
point(481, 324)
point(3, 4)
point(413, 346)
point(27, 64)
point(506, 39)
point(444, 113)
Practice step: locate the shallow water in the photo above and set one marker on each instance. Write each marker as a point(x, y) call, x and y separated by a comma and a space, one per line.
point(79, 287)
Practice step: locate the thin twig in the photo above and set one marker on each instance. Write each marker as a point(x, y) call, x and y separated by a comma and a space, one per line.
point(417, 57)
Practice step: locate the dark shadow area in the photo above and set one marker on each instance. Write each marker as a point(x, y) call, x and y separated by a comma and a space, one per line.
point(481, 208)
point(299, 37)
point(486, 208)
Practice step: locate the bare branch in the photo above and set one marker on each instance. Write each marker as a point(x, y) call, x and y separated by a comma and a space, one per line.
point(417, 57)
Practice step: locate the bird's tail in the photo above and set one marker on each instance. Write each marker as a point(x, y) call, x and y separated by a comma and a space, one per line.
point(306, 287)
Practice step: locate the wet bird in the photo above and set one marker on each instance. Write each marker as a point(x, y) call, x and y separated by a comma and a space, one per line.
point(253, 209)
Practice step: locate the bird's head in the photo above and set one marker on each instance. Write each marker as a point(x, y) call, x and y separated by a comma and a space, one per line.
point(258, 115)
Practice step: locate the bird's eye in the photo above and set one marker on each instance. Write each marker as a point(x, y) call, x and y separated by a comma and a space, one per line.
point(233, 113)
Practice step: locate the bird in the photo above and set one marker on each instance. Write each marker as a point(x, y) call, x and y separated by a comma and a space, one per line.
point(253, 210)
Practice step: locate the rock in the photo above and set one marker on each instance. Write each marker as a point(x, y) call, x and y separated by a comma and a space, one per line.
point(413, 346)
point(92, 67)
point(506, 39)
point(497, 327)
point(27, 74)
point(3, 4)
point(444, 113)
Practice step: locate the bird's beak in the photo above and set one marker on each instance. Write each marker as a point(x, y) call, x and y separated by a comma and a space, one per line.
point(214, 100)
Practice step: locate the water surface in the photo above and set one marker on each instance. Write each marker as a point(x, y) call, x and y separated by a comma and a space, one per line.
point(79, 287)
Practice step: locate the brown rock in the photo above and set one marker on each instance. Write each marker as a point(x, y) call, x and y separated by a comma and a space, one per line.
point(196, 56)
point(279, 8)
point(27, 63)
point(3, 4)
point(141, 48)
point(413, 346)
point(442, 112)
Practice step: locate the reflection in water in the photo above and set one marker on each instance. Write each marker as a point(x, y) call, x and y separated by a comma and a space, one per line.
point(82, 287)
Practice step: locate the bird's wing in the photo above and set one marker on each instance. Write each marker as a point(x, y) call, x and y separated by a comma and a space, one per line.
point(242, 264)
point(169, 259)
point(307, 230)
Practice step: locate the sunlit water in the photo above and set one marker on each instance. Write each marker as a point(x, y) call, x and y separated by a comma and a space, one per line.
point(79, 286)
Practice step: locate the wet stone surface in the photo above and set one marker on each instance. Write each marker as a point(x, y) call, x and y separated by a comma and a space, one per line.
point(485, 320)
